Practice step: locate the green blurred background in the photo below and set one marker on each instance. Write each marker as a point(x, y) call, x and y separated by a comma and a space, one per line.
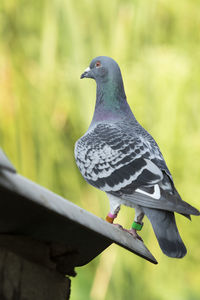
point(45, 108)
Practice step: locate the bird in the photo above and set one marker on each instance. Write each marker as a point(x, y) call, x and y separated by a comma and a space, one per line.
point(118, 156)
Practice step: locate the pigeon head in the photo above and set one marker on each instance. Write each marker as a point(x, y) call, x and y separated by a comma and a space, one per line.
point(102, 69)
point(106, 72)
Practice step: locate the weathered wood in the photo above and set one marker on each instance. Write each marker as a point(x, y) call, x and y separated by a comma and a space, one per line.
point(29, 269)
point(59, 220)
point(5, 163)
point(43, 237)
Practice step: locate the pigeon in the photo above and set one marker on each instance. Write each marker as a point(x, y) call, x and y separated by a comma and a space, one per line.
point(118, 156)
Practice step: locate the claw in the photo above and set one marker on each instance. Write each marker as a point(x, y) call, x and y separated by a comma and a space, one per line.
point(110, 218)
point(119, 226)
point(134, 233)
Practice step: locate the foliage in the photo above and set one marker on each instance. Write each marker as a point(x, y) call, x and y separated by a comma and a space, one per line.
point(44, 108)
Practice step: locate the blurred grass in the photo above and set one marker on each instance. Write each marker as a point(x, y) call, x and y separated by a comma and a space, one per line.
point(44, 109)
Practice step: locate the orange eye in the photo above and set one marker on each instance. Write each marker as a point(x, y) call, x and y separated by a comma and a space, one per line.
point(98, 64)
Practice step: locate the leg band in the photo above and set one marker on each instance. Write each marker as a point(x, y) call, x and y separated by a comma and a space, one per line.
point(110, 218)
point(137, 226)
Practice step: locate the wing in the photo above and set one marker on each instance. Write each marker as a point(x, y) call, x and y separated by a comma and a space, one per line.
point(130, 167)
point(111, 159)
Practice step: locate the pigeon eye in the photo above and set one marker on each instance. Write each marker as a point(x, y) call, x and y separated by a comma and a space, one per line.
point(98, 64)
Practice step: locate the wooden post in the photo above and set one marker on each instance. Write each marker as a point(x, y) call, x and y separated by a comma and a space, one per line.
point(30, 270)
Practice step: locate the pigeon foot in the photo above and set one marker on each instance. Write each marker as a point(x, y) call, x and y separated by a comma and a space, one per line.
point(119, 226)
point(134, 233)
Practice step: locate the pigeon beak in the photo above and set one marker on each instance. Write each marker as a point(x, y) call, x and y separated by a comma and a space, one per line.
point(86, 73)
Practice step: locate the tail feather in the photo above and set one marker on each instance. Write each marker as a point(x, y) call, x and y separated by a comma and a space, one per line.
point(166, 231)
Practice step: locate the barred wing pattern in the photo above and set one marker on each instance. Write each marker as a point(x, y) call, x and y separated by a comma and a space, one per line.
point(111, 159)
